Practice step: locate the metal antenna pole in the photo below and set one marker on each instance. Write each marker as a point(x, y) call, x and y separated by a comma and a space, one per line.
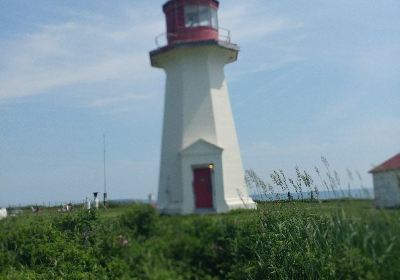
point(104, 170)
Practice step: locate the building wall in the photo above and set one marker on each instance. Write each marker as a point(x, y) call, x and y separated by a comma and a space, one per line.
point(169, 195)
point(197, 107)
point(235, 190)
point(387, 189)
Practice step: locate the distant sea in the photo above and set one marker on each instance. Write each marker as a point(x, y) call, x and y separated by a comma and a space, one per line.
point(128, 201)
point(323, 195)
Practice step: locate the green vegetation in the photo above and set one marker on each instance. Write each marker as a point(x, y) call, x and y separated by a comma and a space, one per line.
point(281, 240)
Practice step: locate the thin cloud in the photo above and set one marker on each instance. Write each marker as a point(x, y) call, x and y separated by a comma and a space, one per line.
point(92, 49)
point(107, 101)
point(89, 51)
point(252, 21)
point(378, 62)
point(272, 65)
point(258, 29)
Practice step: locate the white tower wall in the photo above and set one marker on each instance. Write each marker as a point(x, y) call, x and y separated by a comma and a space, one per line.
point(199, 128)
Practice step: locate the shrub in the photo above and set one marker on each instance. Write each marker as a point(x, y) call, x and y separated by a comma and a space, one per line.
point(140, 220)
point(278, 241)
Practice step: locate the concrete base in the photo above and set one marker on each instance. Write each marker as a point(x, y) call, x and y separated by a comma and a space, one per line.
point(230, 205)
point(241, 204)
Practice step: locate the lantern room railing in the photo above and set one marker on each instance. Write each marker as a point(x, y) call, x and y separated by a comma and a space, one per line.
point(224, 35)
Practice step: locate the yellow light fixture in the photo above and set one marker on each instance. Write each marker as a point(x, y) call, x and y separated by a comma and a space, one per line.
point(211, 166)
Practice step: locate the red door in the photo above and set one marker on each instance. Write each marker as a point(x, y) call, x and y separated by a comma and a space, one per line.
point(202, 188)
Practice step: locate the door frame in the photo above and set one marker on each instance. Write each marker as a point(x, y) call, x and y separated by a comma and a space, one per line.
point(201, 166)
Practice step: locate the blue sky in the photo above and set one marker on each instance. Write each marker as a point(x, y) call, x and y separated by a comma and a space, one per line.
point(314, 78)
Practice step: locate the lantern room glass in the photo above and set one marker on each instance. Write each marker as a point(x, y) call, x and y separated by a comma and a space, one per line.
point(200, 16)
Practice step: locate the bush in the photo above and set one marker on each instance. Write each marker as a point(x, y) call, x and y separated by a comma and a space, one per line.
point(140, 219)
point(278, 241)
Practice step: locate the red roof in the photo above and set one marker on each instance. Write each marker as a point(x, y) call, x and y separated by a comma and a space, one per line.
point(391, 164)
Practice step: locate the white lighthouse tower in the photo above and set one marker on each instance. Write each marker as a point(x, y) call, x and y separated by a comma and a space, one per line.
point(201, 168)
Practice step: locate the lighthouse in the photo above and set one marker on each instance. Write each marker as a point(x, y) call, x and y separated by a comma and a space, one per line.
point(201, 168)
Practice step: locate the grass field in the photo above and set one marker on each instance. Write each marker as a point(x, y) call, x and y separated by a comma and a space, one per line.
point(346, 239)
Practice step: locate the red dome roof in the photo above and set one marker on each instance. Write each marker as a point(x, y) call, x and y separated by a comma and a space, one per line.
point(213, 3)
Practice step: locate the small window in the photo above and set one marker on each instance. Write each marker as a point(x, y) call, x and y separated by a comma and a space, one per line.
point(214, 18)
point(200, 16)
point(204, 16)
point(191, 16)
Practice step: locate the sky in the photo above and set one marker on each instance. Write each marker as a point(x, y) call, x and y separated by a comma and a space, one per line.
point(314, 78)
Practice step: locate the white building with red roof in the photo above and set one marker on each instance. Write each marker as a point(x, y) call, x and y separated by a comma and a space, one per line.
point(387, 183)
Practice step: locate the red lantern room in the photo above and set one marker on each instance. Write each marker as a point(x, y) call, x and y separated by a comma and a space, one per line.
point(191, 20)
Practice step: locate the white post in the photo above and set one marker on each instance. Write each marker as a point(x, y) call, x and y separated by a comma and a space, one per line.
point(3, 213)
point(88, 204)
